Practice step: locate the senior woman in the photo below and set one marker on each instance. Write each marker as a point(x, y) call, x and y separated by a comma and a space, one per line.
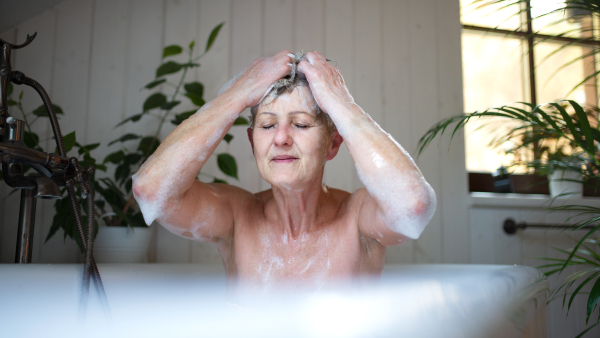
point(300, 232)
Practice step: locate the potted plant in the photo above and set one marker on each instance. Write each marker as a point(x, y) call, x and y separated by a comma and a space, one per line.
point(572, 140)
point(122, 235)
point(126, 236)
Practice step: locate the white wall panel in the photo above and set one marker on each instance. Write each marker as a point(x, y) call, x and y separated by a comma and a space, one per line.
point(29, 62)
point(397, 96)
point(452, 198)
point(309, 26)
point(339, 30)
point(7, 204)
point(180, 28)
point(278, 26)
point(246, 46)
point(107, 69)
point(368, 87)
point(425, 112)
point(389, 52)
point(213, 73)
point(70, 91)
point(490, 245)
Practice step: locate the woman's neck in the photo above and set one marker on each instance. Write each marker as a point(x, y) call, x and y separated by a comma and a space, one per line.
point(298, 209)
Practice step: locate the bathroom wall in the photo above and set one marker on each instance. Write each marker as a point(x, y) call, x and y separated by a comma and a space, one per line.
point(400, 59)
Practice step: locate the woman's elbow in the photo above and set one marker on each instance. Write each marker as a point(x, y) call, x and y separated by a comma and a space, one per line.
point(148, 197)
point(417, 214)
point(424, 208)
point(425, 204)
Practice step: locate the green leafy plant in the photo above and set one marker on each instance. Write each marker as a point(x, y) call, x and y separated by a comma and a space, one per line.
point(565, 137)
point(552, 121)
point(115, 204)
point(162, 107)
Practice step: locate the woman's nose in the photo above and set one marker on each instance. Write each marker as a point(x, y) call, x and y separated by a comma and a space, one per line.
point(283, 136)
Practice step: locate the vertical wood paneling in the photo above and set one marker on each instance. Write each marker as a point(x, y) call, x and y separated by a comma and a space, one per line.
point(107, 69)
point(453, 198)
point(309, 26)
point(482, 237)
point(397, 93)
point(28, 61)
point(508, 247)
point(69, 90)
point(214, 72)
point(144, 51)
point(278, 26)
point(215, 69)
point(246, 22)
point(424, 75)
point(146, 22)
point(6, 217)
point(367, 63)
point(367, 50)
point(339, 30)
point(181, 27)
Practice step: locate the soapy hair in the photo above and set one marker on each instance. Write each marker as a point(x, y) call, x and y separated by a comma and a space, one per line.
point(286, 86)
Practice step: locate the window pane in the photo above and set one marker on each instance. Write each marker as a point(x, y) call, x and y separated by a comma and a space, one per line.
point(554, 83)
point(493, 76)
point(548, 19)
point(479, 13)
point(492, 70)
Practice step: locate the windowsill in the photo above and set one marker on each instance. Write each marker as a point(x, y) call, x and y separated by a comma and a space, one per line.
point(490, 199)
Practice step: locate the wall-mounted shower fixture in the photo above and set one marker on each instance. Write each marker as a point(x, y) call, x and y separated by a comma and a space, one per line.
point(52, 171)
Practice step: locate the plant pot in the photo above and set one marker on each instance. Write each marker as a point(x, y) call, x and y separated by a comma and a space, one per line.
point(122, 244)
point(562, 186)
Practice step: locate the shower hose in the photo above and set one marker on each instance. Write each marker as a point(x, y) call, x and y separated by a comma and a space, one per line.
point(90, 267)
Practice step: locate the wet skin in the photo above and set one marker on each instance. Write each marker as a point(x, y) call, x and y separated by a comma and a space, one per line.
point(299, 232)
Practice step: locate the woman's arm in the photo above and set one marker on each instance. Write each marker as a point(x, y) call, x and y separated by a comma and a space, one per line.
point(166, 188)
point(398, 201)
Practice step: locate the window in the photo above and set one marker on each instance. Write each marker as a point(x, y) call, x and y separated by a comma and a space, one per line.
point(508, 58)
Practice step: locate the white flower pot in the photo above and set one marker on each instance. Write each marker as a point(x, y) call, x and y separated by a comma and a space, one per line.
point(122, 244)
point(560, 184)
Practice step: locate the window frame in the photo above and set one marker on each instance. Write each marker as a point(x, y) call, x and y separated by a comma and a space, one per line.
point(526, 33)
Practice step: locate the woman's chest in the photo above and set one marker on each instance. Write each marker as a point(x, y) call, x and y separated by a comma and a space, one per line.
point(266, 255)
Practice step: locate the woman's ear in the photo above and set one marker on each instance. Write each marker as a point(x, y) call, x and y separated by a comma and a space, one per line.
point(249, 130)
point(336, 143)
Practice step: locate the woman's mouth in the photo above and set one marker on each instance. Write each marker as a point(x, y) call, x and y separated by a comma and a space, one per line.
point(284, 159)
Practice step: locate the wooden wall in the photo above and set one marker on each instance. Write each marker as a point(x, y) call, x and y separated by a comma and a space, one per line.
point(400, 58)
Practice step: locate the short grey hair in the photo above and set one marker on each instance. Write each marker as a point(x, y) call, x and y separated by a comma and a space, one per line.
point(287, 86)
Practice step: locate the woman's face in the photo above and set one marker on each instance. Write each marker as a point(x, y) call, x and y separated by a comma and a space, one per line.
point(289, 144)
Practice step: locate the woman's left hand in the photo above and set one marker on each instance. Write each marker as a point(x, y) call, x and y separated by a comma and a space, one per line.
point(326, 83)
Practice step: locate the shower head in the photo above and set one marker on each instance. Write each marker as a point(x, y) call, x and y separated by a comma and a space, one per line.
point(47, 189)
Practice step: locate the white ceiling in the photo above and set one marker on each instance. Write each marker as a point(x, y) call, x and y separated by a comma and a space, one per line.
point(14, 12)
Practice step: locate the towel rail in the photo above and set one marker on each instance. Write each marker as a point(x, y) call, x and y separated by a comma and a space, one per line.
point(510, 226)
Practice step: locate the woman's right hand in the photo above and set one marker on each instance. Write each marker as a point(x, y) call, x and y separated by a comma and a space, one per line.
point(254, 82)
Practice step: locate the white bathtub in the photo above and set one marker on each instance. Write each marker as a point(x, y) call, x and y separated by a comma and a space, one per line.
point(186, 300)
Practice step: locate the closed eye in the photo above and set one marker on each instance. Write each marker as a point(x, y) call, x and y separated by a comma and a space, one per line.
point(301, 126)
point(268, 127)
